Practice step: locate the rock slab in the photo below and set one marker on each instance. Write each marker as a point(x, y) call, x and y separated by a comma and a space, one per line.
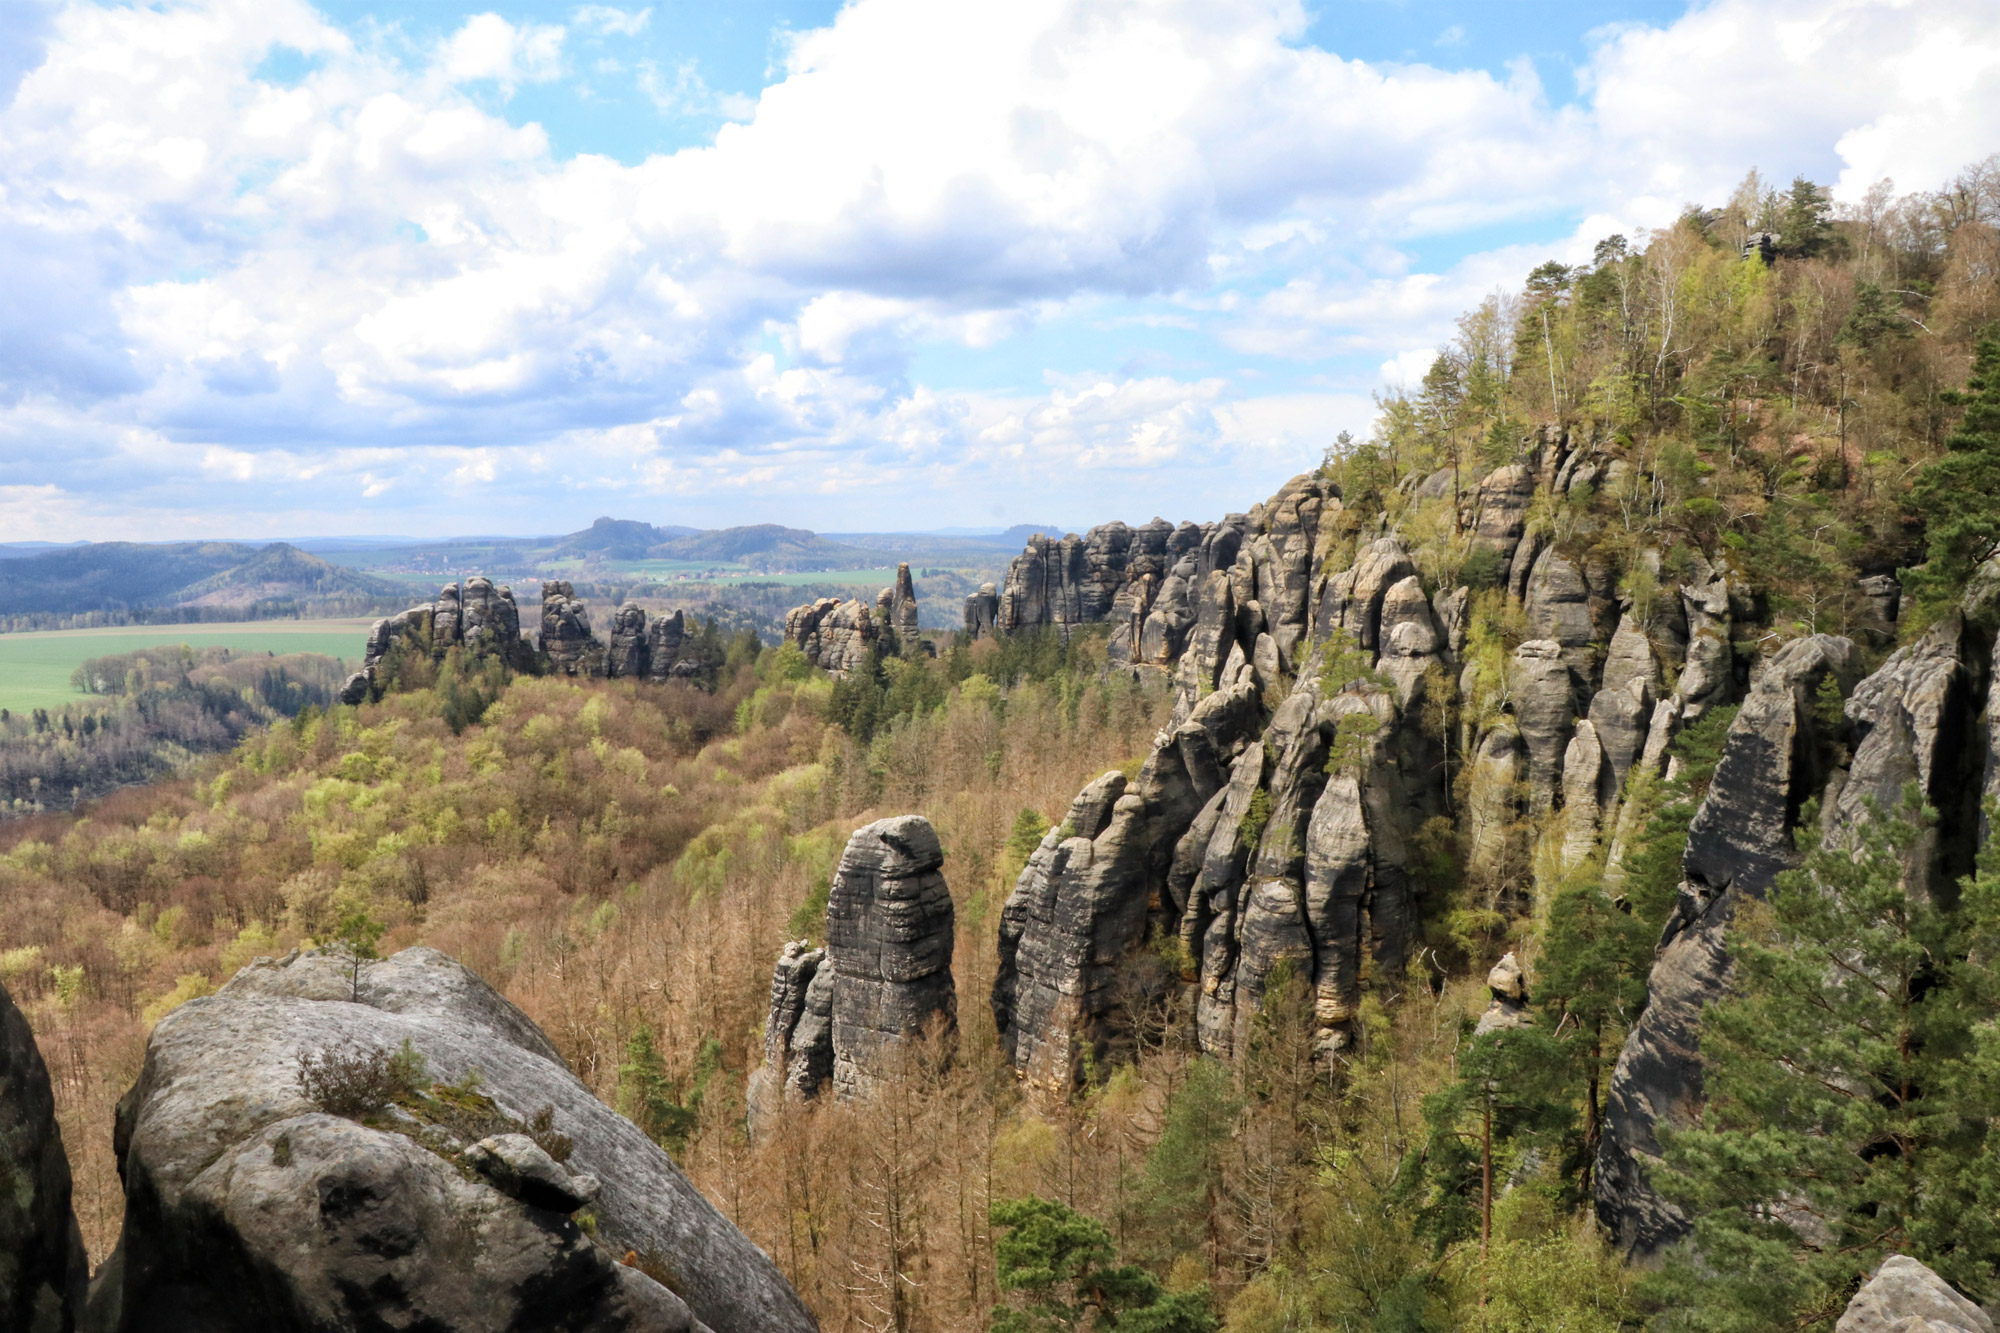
point(248, 1209)
point(42, 1262)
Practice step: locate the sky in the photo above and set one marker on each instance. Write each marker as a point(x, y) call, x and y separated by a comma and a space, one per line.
point(274, 269)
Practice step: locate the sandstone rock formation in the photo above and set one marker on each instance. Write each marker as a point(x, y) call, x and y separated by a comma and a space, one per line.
point(42, 1262)
point(982, 611)
point(1777, 755)
point(798, 1034)
point(1331, 702)
point(483, 621)
point(835, 636)
point(476, 617)
point(902, 616)
point(889, 936)
point(1905, 1296)
point(567, 641)
point(248, 1209)
point(1509, 1005)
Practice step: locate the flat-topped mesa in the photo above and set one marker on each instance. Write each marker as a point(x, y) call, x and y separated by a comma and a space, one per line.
point(476, 617)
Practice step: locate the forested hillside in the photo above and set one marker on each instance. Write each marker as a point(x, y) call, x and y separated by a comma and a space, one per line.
point(119, 583)
point(1775, 412)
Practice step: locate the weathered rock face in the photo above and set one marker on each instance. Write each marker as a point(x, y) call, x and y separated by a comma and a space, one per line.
point(1776, 756)
point(1905, 1296)
point(1545, 712)
point(246, 1209)
point(477, 618)
point(888, 945)
point(43, 1266)
point(627, 654)
point(903, 608)
point(982, 611)
point(567, 643)
point(835, 636)
point(1509, 1005)
point(1913, 721)
point(1112, 574)
point(1505, 496)
point(664, 638)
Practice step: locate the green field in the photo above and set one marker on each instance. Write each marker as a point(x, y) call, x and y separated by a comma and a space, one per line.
point(666, 570)
point(35, 668)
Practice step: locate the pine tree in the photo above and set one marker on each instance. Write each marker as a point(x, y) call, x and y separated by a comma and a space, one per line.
point(1848, 1095)
point(1067, 1278)
point(1959, 494)
point(648, 1097)
point(1590, 987)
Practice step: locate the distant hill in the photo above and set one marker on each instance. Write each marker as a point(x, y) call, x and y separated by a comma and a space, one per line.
point(129, 576)
point(766, 546)
point(619, 539)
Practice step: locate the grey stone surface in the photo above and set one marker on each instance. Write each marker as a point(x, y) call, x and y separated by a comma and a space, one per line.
point(903, 608)
point(1504, 497)
point(567, 641)
point(835, 636)
point(1914, 721)
point(1773, 759)
point(889, 937)
point(1508, 1007)
point(1545, 711)
point(248, 1210)
point(42, 1262)
point(1905, 1296)
point(519, 1168)
point(479, 619)
point(664, 637)
point(982, 609)
point(627, 653)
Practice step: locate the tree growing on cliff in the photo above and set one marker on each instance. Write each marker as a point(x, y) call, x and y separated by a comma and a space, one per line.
point(1959, 494)
point(1849, 1087)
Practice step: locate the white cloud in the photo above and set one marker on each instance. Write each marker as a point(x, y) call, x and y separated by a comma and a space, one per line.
point(608, 21)
point(688, 94)
point(364, 283)
point(489, 47)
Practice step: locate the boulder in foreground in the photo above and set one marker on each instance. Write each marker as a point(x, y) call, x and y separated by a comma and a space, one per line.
point(248, 1207)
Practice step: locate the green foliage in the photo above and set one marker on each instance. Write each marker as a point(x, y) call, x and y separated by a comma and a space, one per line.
point(1590, 987)
point(355, 1081)
point(1344, 662)
point(808, 920)
point(354, 939)
point(1183, 1171)
point(1959, 494)
point(1064, 1275)
point(1850, 1083)
point(1508, 1094)
point(467, 688)
point(652, 1100)
point(1251, 827)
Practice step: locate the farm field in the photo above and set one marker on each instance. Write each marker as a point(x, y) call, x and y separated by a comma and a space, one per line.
point(35, 668)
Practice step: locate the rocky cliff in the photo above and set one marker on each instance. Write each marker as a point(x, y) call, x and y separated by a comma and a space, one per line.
point(1340, 706)
point(838, 1013)
point(254, 1204)
point(1905, 1296)
point(42, 1261)
point(837, 636)
point(483, 622)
